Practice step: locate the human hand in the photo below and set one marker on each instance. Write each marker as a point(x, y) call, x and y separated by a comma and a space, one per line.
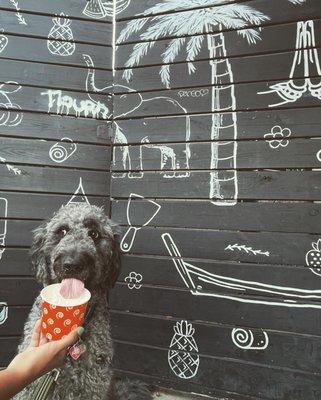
point(42, 356)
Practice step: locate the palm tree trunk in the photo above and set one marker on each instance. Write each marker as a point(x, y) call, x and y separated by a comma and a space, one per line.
point(223, 175)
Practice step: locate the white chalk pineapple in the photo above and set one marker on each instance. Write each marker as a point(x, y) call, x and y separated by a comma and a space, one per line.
point(61, 30)
point(181, 355)
point(313, 257)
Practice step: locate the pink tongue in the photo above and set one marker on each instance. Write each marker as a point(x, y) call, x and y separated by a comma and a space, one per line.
point(71, 288)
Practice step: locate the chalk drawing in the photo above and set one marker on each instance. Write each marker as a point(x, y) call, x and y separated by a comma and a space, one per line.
point(203, 283)
point(62, 150)
point(247, 249)
point(122, 152)
point(60, 39)
point(223, 176)
point(168, 159)
point(277, 137)
point(134, 280)
point(313, 258)
point(99, 9)
point(3, 224)
point(246, 340)
point(196, 24)
point(79, 195)
point(135, 204)
point(305, 65)
point(181, 354)
point(193, 93)
point(318, 155)
point(3, 312)
point(10, 167)
point(3, 41)
point(21, 19)
point(9, 116)
point(60, 103)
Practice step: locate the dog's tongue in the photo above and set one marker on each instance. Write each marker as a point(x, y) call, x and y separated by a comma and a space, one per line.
point(71, 288)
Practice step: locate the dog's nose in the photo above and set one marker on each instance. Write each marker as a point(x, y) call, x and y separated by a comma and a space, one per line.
point(71, 267)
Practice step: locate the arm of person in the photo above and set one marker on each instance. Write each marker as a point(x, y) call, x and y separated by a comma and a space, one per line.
point(39, 358)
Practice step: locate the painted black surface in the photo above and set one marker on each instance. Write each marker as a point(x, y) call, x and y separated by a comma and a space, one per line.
point(55, 127)
point(275, 38)
point(35, 49)
point(304, 122)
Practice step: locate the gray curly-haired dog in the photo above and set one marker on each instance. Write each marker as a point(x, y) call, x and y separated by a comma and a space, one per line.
point(80, 241)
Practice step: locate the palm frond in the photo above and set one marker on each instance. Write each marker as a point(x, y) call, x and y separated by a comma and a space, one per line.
point(165, 75)
point(174, 25)
point(172, 5)
point(172, 50)
point(251, 35)
point(160, 28)
point(193, 47)
point(191, 68)
point(132, 27)
point(169, 56)
point(139, 51)
point(218, 20)
point(127, 74)
point(246, 13)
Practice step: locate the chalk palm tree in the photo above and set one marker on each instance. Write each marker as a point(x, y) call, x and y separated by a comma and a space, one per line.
point(206, 24)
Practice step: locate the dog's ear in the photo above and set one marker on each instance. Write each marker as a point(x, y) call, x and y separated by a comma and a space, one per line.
point(38, 258)
point(114, 259)
point(115, 262)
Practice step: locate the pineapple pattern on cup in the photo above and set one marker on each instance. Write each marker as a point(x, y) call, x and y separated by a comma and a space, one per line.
point(60, 39)
point(181, 354)
point(313, 258)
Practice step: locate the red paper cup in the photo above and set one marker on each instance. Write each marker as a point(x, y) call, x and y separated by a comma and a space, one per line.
point(61, 316)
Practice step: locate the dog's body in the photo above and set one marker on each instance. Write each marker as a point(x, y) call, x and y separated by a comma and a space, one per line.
point(80, 242)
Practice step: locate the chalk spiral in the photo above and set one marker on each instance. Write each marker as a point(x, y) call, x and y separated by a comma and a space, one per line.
point(62, 150)
point(242, 338)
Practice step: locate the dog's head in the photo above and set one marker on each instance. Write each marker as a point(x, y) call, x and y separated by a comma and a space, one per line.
point(81, 242)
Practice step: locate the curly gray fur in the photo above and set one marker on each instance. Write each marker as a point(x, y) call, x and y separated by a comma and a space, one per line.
point(80, 241)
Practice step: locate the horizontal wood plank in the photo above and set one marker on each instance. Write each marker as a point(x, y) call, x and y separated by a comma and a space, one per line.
point(259, 185)
point(51, 76)
point(55, 127)
point(54, 101)
point(272, 11)
point(35, 49)
point(283, 349)
point(55, 180)
point(274, 38)
point(40, 206)
point(245, 378)
point(40, 25)
point(17, 292)
point(159, 271)
point(250, 154)
point(304, 122)
point(181, 304)
point(63, 153)
point(10, 344)
point(246, 216)
point(271, 247)
point(249, 96)
point(73, 8)
point(245, 69)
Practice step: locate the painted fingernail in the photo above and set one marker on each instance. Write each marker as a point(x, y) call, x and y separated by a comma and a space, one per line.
point(80, 330)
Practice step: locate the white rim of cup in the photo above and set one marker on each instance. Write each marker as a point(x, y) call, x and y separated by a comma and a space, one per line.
point(44, 297)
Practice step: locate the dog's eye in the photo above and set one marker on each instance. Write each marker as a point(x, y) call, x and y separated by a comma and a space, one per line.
point(62, 231)
point(93, 234)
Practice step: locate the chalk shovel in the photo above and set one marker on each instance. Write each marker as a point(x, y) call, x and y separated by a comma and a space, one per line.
point(136, 207)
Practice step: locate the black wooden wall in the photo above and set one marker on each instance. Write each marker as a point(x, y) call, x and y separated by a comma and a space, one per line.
point(48, 151)
point(218, 123)
point(215, 170)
